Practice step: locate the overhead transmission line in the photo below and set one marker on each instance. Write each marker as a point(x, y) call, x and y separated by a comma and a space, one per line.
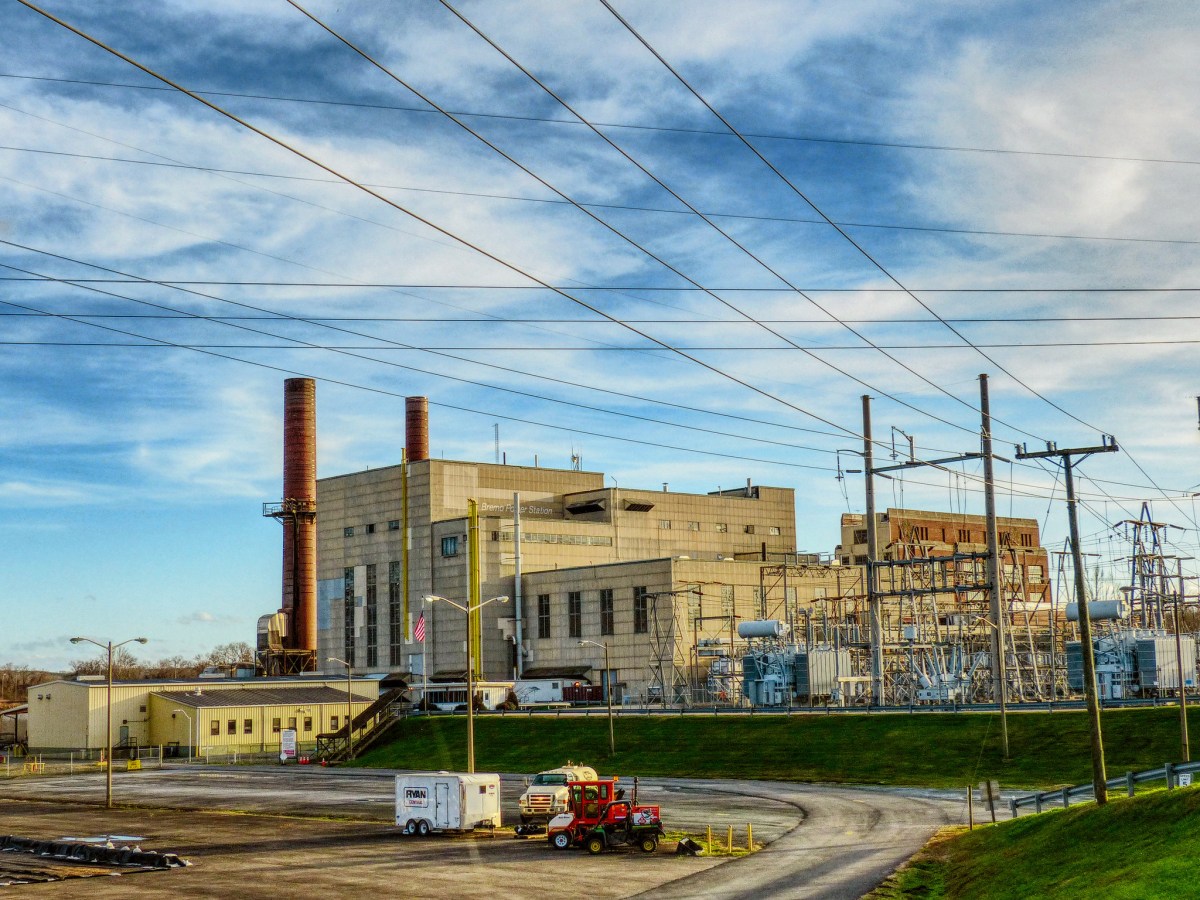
point(715, 227)
point(348, 384)
point(397, 206)
point(774, 136)
point(855, 244)
point(298, 343)
point(620, 234)
point(886, 226)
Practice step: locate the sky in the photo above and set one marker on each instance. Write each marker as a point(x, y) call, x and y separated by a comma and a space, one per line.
point(677, 240)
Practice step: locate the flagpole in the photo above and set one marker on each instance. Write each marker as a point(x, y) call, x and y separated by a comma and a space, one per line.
point(424, 668)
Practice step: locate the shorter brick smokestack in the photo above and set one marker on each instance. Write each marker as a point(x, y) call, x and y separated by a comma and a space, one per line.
point(416, 428)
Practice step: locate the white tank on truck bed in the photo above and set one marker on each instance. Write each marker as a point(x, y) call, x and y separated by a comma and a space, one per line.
point(428, 802)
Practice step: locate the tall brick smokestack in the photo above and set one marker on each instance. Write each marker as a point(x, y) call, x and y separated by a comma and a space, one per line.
point(416, 428)
point(300, 497)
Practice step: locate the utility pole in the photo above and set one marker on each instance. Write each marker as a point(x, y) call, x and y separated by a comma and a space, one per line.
point(1099, 779)
point(999, 648)
point(873, 601)
point(1183, 729)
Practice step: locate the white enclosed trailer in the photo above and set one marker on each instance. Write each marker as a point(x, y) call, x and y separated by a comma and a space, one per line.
point(447, 801)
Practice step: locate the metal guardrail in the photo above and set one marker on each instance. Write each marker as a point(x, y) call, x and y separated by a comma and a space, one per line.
point(1083, 793)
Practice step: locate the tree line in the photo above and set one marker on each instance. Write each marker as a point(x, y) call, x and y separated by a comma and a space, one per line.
point(16, 679)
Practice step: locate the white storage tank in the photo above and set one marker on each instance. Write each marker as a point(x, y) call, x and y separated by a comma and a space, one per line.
point(762, 628)
point(429, 802)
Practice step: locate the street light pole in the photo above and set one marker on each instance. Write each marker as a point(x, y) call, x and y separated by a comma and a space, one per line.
point(612, 741)
point(469, 610)
point(349, 706)
point(189, 721)
point(108, 647)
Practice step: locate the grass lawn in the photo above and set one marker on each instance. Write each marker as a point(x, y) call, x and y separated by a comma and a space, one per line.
point(1131, 849)
point(930, 750)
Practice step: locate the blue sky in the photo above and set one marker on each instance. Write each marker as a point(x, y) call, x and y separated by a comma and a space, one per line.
point(1003, 161)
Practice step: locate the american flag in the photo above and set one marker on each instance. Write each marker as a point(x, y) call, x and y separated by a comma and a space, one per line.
point(419, 630)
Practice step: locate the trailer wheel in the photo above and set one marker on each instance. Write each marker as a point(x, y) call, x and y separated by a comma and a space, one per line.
point(561, 840)
point(410, 827)
point(649, 843)
point(423, 828)
point(594, 844)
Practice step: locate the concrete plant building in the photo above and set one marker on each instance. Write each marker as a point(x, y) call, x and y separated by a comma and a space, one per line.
point(575, 537)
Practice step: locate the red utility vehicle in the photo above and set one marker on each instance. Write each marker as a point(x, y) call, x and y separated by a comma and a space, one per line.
point(600, 818)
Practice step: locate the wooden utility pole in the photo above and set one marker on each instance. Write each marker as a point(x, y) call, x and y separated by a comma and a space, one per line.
point(999, 647)
point(873, 601)
point(1099, 779)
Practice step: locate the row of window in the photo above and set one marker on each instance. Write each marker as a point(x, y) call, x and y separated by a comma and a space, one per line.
point(960, 536)
point(719, 527)
point(231, 725)
point(369, 528)
point(607, 613)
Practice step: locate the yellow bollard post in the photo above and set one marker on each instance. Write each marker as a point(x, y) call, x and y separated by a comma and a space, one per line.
point(749, 838)
point(710, 844)
point(729, 839)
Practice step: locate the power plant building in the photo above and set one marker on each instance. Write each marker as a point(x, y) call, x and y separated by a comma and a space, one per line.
point(593, 560)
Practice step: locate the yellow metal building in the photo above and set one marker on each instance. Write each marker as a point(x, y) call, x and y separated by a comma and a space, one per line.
point(217, 716)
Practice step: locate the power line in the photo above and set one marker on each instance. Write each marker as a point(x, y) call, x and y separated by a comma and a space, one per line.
point(711, 224)
point(622, 236)
point(466, 286)
point(855, 244)
point(774, 136)
point(929, 229)
point(296, 343)
point(585, 348)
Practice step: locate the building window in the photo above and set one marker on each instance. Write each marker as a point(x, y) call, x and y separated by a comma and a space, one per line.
point(860, 535)
point(140, 708)
point(727, 599)
point(641, 611)
point(396, 623)
point(606, 611)
point(774, 529)
point(393, 524)
point(964, 535)
point(922, 532)
point(450, 545)
point(1005, 539)
point(791, 604)
point(348, 613)
point(664, 523)
point(693, 526)
point(292, 722)
point(371, 528)
point(722, 527)
point(748, 529)
point(308, 723)
point(1035, 574)
point(247, 726)
point(231, 726)
point(695, 605)
point(372, 617)
point(214, 728)
point(348, 531)
point(1026, 539)
point(276, 726)
point(860, 560)
point(575, 614)
point(333, 723)
point(543, 615)
point(760, 601)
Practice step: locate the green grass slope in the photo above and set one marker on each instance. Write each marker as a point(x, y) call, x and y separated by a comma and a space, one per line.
point(923, 750)
point(1130, 849)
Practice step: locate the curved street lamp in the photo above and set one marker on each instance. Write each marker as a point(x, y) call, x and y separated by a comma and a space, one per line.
point(431, 598)
point(109, 647)
point(349, 706)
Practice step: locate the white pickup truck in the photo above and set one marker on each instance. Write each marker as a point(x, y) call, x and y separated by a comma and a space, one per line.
point(546, 793)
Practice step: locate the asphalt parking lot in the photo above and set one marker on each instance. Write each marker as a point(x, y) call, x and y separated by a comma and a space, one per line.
point(265, 832)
